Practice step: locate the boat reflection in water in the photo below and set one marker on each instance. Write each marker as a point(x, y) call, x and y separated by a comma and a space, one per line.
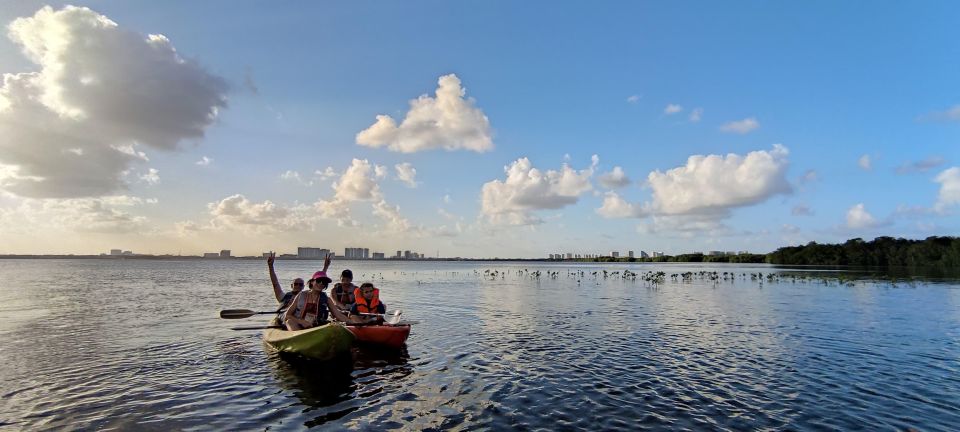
point(326, 391)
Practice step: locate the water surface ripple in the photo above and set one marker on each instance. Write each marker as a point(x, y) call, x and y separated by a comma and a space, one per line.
point(137, 345)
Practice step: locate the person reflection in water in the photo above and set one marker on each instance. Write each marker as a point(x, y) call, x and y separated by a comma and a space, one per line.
point(312, 308)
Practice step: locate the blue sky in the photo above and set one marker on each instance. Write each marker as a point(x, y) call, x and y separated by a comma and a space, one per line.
point(861, 99)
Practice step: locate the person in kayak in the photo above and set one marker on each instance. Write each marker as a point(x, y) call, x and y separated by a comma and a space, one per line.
point(368, 302)
point(312, 307)
point(342, 292)
point(296, 286)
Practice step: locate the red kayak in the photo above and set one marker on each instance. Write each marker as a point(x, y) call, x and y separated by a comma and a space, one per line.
point(393, 336)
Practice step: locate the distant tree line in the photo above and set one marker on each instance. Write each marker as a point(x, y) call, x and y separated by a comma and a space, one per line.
point(882, 252)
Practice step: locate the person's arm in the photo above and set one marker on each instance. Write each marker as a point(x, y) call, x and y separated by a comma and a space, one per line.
point(335, 297)
point(326, 263)
point(290, 314)
point(381, 308)
point(277, 289)
point(335, 311)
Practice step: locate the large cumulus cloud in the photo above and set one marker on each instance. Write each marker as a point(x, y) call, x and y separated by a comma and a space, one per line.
point(448, 121)
point(706, 188)
point(526, 189)
point(69, 129)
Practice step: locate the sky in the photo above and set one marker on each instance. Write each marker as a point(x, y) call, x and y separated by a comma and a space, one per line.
point(475, 129)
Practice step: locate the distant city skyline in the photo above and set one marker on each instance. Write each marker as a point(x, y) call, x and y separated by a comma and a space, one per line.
point(663, 126)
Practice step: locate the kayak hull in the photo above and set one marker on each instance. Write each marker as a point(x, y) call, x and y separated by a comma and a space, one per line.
point(320, 343)
point(392, 336)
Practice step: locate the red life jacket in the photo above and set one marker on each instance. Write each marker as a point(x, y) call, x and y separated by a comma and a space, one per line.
point(307, 305)
point(364, 306)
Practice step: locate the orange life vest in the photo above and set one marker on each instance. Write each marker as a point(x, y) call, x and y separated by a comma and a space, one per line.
point(364, 306)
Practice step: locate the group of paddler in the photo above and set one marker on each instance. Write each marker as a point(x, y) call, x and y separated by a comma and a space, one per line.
point(302, 309)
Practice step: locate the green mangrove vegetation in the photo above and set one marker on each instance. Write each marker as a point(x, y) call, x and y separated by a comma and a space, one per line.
point(881, 252)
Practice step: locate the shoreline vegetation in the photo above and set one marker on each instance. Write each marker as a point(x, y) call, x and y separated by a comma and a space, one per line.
point(880, 252)
point(936, 251)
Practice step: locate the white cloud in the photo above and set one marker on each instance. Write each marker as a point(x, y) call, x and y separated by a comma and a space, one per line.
point(152, 176)
point(716, 183)
point(185, 229)
point(358, 183)
point(128, 149)
point(104, 215)
point(446, 214)
point(380, 171)
point(801, 210)
point(448, 121)
point(921, 166)
point(446, 199)
point(98, 89)
point(698, 195)
point(527, 189)
point(326, 174)
point(809, 176)
point(790, 229)
point(948, 115)
point(865, 163)
point(672, 109)
point(295, 177)
point(949, 194)
point(685, 226)
point(614, 179)
point(239, 213)
point(204, 161)
point(696, 115)
point(744, 126)
point(407, 174)
point(633, 99)
point(616, 207)
point(391, 216)
point(859, 218)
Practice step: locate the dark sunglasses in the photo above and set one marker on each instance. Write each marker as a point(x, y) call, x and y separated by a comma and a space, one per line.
point(298, 284)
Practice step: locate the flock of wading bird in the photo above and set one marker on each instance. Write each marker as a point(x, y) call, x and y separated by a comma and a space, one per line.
point(656, 278)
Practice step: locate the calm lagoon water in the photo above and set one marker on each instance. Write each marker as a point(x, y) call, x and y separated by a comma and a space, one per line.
point(137, 345)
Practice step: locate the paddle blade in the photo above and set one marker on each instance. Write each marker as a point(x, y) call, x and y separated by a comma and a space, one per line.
point(393, 318)
point(236, 313)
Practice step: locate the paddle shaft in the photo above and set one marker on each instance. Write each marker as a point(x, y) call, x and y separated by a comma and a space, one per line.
point(242, 313)
point(258, 328)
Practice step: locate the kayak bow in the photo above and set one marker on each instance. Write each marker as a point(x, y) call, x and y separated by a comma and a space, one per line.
point(321, 343)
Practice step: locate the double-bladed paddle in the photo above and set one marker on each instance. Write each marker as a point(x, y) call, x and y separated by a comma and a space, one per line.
point(241, 313)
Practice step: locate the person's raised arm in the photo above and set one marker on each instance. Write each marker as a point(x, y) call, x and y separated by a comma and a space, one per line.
point(277, 289)
point(326, 263)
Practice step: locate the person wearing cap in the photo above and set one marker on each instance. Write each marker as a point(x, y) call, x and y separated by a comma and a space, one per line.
point(312, 307)
point(342, 292)
point(295, 287)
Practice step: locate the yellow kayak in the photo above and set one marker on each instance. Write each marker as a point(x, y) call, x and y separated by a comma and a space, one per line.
point(321, 343)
